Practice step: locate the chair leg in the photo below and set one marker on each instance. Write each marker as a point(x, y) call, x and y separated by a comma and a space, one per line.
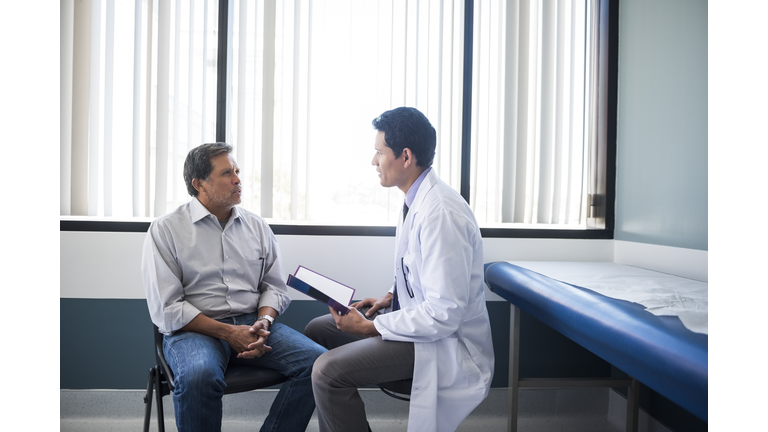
point(148, 398)
point(159, 396)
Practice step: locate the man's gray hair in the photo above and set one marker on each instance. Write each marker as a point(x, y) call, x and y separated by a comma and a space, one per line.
point(198, 163)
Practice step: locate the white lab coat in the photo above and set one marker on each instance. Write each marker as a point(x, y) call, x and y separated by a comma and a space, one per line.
point(440, 252)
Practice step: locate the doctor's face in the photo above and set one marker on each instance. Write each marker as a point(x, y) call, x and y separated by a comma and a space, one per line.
point(391, 170)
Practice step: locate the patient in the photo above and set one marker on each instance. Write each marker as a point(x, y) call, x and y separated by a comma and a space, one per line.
point(213, 278)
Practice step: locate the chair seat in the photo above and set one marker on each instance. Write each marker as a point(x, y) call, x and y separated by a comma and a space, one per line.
point(238, 379)
point(244, 378)
point(400, 389)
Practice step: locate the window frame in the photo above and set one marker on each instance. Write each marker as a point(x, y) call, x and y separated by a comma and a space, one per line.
point(601, 227)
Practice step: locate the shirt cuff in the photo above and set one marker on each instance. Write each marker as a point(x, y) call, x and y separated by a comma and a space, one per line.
point(188, 313)
point(276, 301)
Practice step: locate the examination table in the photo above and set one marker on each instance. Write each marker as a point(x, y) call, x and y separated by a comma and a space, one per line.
point(658, 351)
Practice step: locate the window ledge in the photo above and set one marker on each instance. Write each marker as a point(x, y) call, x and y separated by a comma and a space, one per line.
point(68, 223)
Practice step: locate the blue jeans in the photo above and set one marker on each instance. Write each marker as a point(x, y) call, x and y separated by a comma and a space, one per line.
point(198, 363)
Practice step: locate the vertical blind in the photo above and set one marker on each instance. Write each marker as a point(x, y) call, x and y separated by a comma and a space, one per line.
point(304, 80)
point(308, 77)
point(141, 93)
point(531, 100)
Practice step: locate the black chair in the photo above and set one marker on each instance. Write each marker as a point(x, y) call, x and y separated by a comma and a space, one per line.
point(400, 389)
point(238, 379)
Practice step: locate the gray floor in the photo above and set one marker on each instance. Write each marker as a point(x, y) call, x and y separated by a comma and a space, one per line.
point(574, 410)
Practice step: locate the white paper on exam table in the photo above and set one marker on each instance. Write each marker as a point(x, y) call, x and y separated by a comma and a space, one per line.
point(660, 293)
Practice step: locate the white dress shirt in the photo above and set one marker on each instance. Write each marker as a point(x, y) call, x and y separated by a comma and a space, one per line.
point(190, 265)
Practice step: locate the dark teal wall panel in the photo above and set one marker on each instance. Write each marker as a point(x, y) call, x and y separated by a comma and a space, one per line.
point(107, 343)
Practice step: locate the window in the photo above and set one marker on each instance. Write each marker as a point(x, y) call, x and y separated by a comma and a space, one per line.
point(143, 92)
point(304, 131)
point(294, 85)
point(531, 98)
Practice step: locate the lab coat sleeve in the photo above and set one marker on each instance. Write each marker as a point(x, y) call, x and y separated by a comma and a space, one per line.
point(161, 275)
point(440, 275)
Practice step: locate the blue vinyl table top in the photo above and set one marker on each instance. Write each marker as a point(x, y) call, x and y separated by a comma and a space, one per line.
point(656, 350)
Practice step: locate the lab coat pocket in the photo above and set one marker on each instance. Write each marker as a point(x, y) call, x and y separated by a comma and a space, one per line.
point(409, 274)
point(451, 364)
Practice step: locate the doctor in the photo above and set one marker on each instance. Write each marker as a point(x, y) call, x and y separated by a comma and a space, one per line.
point(432, 325)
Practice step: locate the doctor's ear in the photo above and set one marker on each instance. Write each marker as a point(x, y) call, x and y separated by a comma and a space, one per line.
point(407, 154)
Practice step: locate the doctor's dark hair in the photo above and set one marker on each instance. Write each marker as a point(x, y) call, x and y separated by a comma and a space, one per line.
point(198, 163)
point(406, 127)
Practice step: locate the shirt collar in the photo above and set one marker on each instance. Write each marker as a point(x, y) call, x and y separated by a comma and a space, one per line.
point(411, 195)
point(198, 211)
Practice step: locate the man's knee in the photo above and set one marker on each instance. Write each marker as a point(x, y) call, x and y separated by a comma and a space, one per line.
point(313, 329)
point(304, 363)
point(315, 351)
point(326, 372)
point(200, 375)
point(322, 330)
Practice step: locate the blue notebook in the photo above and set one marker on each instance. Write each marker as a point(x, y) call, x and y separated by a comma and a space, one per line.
point(322, 288)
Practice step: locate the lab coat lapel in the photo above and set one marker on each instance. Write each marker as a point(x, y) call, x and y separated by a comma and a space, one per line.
point(464, 384)
point(406, 225)
point(423, 406)
point(426, 185)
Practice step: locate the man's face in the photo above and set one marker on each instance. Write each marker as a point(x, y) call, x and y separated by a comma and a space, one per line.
point(391, 170)
point(222, 189)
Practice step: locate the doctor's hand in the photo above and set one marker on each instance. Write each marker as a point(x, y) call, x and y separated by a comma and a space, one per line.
point(375, 303)
point(354, 322)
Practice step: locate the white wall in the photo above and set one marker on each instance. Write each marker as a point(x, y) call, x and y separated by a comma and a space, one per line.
point(107, 265)
point(688, 263)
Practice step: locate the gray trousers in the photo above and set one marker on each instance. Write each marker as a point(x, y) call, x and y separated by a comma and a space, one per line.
point(351, 362)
